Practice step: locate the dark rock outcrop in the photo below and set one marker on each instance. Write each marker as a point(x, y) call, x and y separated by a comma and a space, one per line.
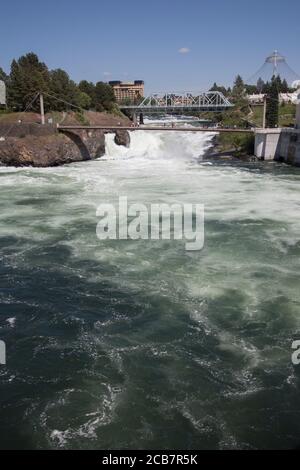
point(39, 151)
point(91, 143)
point(45, 147)
point(122, 137)
point(23, 129)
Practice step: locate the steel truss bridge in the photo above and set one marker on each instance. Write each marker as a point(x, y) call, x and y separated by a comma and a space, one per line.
point(180, 102)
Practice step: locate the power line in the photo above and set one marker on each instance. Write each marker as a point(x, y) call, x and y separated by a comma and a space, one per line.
point(63, 101)
point(26, 109)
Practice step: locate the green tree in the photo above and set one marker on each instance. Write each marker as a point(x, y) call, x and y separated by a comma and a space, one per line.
point(238, 89)
point(27, 76)
point(61, 88)
point(260, 85)
point(251, 89)
point(104, 97)
point(272, 102)
point(83, 100)
point(3, 75)
point(284, 86)
point(239, 98)
point(65, 90)
point(88, 88)
point(126, 102)
point(221, 89)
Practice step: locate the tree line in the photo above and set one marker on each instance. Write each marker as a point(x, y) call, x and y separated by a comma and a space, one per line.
point(238, 96)
point(261, 86)
point(28, 75)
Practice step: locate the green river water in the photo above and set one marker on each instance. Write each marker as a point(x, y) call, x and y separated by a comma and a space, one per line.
point(141, 344)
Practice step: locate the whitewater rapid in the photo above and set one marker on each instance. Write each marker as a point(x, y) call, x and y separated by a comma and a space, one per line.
point(140, 344)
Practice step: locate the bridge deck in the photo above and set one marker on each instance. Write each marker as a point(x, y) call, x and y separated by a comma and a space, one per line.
point(176, 109)
point(155, 128)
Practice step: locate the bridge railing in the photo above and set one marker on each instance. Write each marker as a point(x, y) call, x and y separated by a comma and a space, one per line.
point(209, 99)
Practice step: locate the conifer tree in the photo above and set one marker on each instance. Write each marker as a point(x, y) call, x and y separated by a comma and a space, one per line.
point(272, 100)
point(27, 76)
point(3, 76)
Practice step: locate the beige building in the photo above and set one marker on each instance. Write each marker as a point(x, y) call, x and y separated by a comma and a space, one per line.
point(127, 90)
point(283, 97)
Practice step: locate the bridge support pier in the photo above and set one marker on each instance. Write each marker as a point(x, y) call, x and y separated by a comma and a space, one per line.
point(141, 118)
point(91, 141)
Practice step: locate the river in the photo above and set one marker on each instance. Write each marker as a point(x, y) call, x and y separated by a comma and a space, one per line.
point(141, 344)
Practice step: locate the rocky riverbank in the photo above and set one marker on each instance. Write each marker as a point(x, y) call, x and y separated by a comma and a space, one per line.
point(230, 147)
point(24, 142)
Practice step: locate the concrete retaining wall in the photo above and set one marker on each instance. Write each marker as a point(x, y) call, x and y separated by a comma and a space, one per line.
point(266, 143)
point(289, 147)
point(278, 144)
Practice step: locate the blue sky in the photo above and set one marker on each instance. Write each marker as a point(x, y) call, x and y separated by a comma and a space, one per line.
point(172, 45)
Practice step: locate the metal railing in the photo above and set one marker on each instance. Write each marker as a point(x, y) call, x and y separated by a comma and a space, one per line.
point(185, 100)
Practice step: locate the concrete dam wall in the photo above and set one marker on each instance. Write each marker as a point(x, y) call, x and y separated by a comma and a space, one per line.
point(278, 144)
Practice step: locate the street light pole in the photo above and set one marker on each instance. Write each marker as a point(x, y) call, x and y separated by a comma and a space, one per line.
point(265, 112)
point(42, 109)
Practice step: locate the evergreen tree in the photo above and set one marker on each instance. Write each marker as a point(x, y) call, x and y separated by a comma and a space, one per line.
point(284, 86)
point(104, 97)
point(239, 97)
point(63, 88)
point(3, 76)
point(260, 85)
point(251, 89)
point(89, 89)
point(266, 87)
point(221, 89)
point(238, 89)
point(27, 76)
point(278, 82)
point(272, 101)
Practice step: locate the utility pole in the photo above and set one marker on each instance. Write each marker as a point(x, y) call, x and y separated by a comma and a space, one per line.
point(265, 111)
point(42, 109)
point(134, 118)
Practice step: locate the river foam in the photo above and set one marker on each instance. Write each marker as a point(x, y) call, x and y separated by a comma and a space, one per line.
point(139, 344)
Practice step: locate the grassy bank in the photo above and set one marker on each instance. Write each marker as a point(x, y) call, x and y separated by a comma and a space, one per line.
point(67, 118)
point(237, 145)
point(287, 114)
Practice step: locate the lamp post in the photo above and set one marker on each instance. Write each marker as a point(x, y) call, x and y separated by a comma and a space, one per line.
point(42, 109)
